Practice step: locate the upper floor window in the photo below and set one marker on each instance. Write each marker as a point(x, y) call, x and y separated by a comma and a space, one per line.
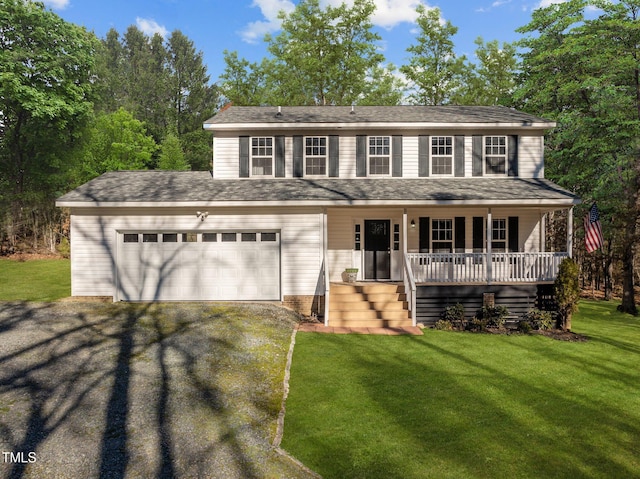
point(379, 155)
point(495, 155)
point(441, 155)
point(262, 156)
point(315, 155)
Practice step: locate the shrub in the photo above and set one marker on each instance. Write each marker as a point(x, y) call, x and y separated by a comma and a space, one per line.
point(494, 317)
point(567, 292)
point(538, 319)
point(524, 326)
point(444, 325)
point(454, 314)
point(64, 248)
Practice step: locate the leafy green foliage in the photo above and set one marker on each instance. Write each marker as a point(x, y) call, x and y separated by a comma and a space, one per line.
point(537, 319)
point(566, 291)
point(46, 88)
point(171, 154)
point(434, 69)
point(322, 56)
point(116, 141)
point(583, 73)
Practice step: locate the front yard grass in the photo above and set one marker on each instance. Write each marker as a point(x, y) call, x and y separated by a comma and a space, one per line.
point(35, 280)
point(461, 405)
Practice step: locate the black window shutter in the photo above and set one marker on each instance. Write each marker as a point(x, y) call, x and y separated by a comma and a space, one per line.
point(477, 155)
point(425, 234)
point(512, 155)
point(458, 155)
point(459, 234)
point(423, 155)
point(244, 157)
point(361, 155)
point(478, 234)
point(334, 156)
point(298, 157)
point(396, 151)
point(514, 245)
point(280, 157)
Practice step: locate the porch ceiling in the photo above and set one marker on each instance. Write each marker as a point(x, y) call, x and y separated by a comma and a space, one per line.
point(170, 188)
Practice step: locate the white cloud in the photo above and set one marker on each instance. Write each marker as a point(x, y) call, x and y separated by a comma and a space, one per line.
point(388, 14)
point(149, 26)
point(547, 3)
point(57, 4)
point(255, 31)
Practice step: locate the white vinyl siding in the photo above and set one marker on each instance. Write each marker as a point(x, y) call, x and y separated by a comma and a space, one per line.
point(530, 154)
point(94, 250)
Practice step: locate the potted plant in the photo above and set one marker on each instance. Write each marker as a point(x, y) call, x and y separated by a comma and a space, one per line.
point(351, 274)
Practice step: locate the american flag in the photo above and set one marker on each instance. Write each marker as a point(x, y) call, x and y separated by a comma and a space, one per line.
point(592, 230)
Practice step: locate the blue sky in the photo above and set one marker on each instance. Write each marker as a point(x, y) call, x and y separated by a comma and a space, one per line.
point(216, 25)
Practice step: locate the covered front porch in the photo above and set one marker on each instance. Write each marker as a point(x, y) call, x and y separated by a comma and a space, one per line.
point(440, 245)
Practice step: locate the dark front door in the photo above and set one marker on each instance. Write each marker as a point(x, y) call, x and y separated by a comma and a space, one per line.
point(377, 249)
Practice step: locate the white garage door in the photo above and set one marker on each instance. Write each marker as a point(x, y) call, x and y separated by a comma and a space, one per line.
point(228, 266)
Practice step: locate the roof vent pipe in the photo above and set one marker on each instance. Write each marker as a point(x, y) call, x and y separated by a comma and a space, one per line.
point(279, 111)
point(353, 109)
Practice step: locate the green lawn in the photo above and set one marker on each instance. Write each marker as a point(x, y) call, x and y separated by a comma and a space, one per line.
point(34, 280)
point(461, 405)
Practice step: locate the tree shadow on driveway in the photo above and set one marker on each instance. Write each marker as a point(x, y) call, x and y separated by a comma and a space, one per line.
point(141, 390)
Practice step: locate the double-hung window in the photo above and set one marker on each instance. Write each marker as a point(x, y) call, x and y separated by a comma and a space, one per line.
point(262, 156)
point(442, 235)
point(442, 155)
point(499, 235)
point(379, 155)
point(315, 156)
point(495, 155)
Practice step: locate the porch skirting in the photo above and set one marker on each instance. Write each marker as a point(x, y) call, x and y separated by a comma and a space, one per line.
point(431, 300)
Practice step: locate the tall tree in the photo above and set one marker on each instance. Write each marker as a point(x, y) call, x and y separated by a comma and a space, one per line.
point(192, 98)
point(46, 93)
point(492, 80)
point(322, 56)
point(115, 141)
point(584, 73)
point(434, 71)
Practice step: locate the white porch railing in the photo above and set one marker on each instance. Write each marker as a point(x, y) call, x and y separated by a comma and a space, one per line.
point(472, 267)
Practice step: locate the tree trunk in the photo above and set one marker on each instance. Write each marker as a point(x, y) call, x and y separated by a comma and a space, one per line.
point(628, 295)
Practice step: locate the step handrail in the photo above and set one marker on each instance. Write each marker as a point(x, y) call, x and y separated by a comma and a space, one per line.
point(410, 287)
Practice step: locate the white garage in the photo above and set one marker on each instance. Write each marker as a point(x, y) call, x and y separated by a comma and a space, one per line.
point(198, 266)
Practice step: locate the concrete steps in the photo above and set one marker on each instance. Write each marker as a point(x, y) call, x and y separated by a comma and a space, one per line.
point(368, 305)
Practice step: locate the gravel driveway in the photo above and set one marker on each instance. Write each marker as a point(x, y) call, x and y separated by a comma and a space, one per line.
point(108, 390)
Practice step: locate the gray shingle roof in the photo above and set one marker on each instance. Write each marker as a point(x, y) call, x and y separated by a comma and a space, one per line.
point(169, 187)
point(372, 114)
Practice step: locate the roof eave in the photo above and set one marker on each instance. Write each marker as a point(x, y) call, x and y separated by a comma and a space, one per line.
point(521, 202)
point(534, 125)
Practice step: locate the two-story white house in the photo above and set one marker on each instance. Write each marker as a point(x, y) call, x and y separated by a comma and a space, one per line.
point(433, 205)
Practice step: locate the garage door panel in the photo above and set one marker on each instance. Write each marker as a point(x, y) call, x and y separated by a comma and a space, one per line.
point(213, 269)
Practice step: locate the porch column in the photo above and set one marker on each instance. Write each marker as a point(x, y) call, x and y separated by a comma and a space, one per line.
point(325, 264)
point(570, 232)
point(489, 238)
point(404, 233)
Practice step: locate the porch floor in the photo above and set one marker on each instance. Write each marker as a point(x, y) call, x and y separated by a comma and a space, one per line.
point(392, 331)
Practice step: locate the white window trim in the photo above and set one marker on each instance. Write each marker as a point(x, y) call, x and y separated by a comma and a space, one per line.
point(506, 233)
point(453, 234)
point(326, 157)
point(484, 155)
point(251, 156)
point(389, 156)
point(431, 155)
